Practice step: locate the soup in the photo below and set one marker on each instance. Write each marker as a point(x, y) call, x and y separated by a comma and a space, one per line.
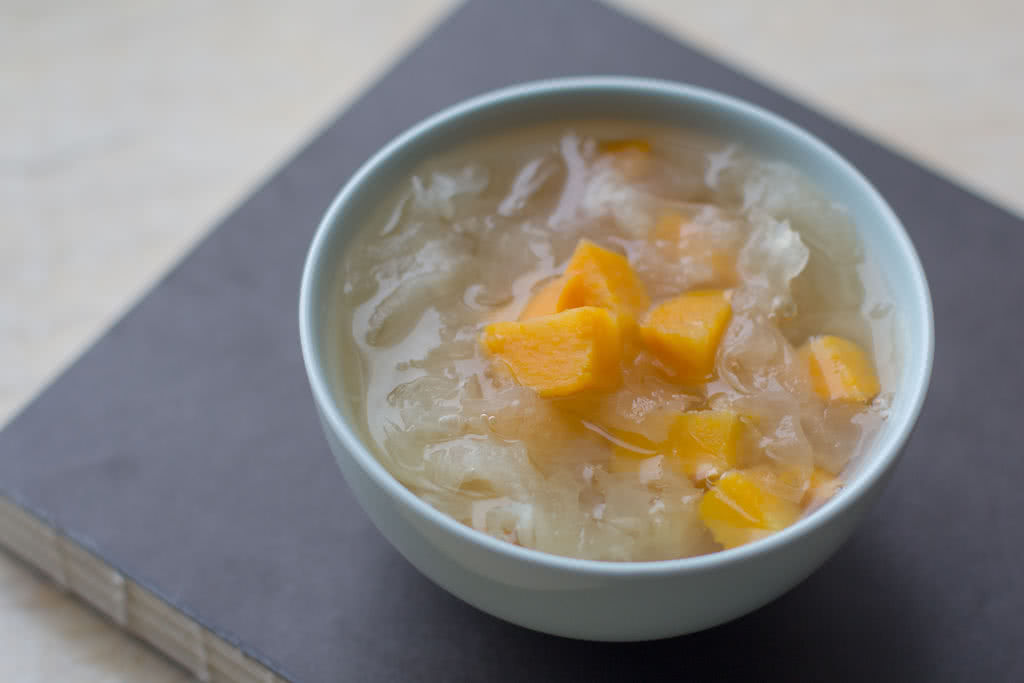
point(613, 341)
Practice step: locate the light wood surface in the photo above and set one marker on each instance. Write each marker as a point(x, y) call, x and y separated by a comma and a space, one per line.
point(128, 128)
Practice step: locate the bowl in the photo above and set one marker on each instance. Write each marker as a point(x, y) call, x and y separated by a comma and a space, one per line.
point(615, 601)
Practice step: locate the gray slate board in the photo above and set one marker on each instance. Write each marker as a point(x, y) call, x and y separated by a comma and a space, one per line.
point(182, 448)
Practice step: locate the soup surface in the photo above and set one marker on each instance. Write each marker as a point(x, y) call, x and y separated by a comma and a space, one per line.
point(613, 341)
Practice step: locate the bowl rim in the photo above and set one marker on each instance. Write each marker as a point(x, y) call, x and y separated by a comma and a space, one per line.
point(885, 454)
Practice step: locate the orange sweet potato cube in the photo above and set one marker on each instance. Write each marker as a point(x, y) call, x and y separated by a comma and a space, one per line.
point(736, 510)
point(632, 155)
point(705, 443)
point(684, 332)
point(560, 354)
point(840, 370)
point(701, 445)
point(821, 487)
point(624, 145)
point(599, 277)
point(545, 302)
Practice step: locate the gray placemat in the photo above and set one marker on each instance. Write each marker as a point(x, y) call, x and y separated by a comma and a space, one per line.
point(182, 448)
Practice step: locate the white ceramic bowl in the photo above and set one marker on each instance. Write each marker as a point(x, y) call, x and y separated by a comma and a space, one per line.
point(606, 600)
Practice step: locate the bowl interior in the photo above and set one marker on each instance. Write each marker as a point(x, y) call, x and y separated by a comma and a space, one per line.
point(885, 242)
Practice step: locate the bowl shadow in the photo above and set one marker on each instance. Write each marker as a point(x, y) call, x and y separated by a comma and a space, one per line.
point(827, 628)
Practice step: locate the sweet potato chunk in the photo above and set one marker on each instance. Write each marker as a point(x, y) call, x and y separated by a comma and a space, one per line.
point(598, 277)
point(684, 332)
point(625, 145)
point(821, 487)
point(705, 443)
point(701, 445)
point(632, 155)
point(545, 302)
point(560, 354)
point(840, 370)
point(737, 511)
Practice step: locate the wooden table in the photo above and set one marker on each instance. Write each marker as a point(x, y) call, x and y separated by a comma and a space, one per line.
point(128, 128)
